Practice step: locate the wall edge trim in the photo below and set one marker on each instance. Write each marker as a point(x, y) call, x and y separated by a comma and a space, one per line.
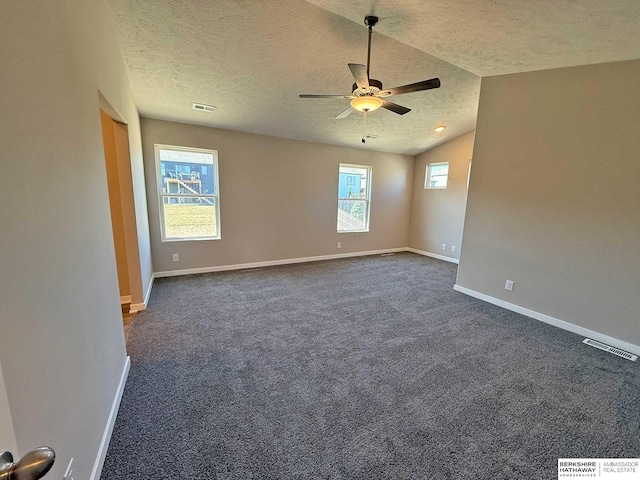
point(556, 322)
point(271, 263)
point(137, 307)
point(433, 255)
point(148, 292)
point(111, 421)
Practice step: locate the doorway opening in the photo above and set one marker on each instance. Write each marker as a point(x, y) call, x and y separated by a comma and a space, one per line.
point(123, 220)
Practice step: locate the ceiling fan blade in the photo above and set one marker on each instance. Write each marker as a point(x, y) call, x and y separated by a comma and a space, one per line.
point(412, 87)
point(346, 112)
point(359, 73)
point(306, 95)
point(394, 107)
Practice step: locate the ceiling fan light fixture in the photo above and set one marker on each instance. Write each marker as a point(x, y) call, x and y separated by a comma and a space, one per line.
point(366, 103)
point(366, 92)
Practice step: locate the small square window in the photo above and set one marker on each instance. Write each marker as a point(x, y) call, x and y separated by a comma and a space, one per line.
point(436, 175)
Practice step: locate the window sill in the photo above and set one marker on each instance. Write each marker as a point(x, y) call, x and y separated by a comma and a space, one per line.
point(189, 239)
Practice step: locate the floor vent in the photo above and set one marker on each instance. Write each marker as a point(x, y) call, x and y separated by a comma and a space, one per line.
point(610, 349)
point(386, 254)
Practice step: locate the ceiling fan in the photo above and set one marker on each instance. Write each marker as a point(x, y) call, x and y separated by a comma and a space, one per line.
point(367, 93)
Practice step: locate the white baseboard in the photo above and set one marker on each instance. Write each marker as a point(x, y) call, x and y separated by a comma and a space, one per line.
point(125, 299)
point(148, 294)
point(271, 263)
point(556, 322)
point(432, 255)
point(138, 307)
point(106, 436)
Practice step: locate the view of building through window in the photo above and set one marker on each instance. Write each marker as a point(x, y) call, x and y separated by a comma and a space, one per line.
point(188, 186)
point(354, 193)
point(437, 175)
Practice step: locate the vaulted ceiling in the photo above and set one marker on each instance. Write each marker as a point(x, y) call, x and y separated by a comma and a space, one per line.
point(251, 59)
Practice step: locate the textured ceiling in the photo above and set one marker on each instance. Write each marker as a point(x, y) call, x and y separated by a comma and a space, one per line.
point(495, 37)
point(251, 59)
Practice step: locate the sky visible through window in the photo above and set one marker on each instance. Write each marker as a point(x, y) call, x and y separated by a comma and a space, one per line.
point(437, 175)
point(353, 198)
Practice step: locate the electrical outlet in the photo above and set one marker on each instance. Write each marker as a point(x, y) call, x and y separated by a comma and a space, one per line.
point(508, 285)
point(339, 245)
point(444, 246)
point(68, 475)
point(453, 248)
point(176, 257)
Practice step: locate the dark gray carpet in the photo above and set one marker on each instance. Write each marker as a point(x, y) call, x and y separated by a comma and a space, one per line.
point(364, 368)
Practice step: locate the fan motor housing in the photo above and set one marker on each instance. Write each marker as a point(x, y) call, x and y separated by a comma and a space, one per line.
point(375, 84)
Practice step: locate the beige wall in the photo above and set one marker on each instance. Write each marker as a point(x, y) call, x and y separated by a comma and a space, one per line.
point(437, 215)
point(278, 198)
point(61, 348)
point(554, 196)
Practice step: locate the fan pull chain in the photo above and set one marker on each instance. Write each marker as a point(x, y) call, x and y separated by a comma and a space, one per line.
point(364, 125)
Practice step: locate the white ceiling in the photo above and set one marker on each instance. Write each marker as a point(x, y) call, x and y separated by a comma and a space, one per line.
point(251, 59)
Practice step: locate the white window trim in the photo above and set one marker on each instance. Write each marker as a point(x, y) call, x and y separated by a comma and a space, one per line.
point(367, 200)
point(426, 176)
point(163, 238)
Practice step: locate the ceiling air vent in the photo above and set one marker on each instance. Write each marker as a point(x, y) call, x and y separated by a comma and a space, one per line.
point(204, 108)
point(610, 349)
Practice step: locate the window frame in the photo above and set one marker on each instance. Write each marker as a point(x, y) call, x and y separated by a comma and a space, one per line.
point(427, 176)
point(367, 200)
point(161, 195)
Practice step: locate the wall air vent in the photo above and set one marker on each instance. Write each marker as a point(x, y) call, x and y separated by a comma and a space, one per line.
point(204, 108)
point(610, 349)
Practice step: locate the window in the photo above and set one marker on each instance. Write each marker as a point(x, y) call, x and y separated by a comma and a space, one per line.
point(188, 193)
point(436, 175)
point(354, 195)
